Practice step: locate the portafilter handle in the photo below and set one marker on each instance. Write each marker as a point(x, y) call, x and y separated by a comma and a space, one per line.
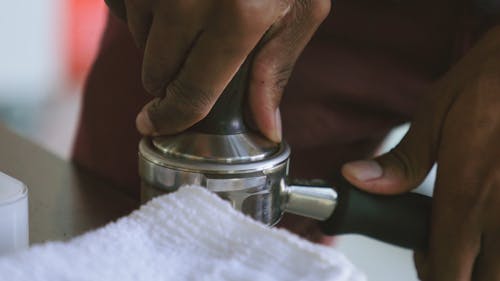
point(401, 220)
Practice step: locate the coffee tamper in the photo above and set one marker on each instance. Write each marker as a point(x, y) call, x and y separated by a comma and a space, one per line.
point(223, 155)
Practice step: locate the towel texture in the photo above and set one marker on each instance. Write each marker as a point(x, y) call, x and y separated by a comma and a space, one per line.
point(187, 235)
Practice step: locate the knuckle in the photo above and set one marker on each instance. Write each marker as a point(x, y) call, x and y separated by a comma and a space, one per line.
point(154, 110)
point(189, 100)
point(156, 114)
point(151, 78)
point(413, 172)
point(151, 84)
point(282, 75)
point(274, 77)
point(251, 14)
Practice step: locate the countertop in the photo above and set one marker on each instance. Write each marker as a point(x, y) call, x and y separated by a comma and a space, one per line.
point(64, 200)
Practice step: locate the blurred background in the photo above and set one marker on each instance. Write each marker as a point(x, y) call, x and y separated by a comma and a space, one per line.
point(47, 49)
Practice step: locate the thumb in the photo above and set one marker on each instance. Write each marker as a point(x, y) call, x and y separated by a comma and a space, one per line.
point(275, 59)
point(401, 169)
point(407, 165)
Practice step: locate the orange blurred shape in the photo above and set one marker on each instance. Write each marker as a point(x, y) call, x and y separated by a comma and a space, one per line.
point(85, 22)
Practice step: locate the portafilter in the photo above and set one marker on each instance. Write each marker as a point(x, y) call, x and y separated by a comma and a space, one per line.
point(223, 155)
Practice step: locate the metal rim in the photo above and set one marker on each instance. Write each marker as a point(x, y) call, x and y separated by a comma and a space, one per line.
point(148, 152)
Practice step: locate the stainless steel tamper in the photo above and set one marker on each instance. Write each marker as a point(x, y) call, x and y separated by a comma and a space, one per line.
point(223, 155)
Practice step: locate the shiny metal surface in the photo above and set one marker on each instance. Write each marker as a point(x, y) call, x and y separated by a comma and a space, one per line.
point(249, 180)
point(148, 151)
point(246, 170)
point(256, 194)
point(316, 202)
point(238, 148)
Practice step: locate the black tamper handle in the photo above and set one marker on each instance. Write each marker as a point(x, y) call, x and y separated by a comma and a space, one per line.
point(226, 116)
point(401, 220)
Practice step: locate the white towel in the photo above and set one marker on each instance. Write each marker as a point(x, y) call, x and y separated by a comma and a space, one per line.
point(188, 235)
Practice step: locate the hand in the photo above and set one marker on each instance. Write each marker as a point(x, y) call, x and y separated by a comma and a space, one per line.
point(192, 49)
point(459, 128)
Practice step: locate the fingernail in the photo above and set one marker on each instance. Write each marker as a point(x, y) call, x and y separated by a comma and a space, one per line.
point(363, 170)
point(277, 134)
point(144, 124)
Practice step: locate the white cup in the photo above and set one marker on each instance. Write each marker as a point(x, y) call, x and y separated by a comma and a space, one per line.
point(14, 234)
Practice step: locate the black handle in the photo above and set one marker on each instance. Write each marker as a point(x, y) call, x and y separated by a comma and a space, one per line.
point(226, 117)
point(401, 220)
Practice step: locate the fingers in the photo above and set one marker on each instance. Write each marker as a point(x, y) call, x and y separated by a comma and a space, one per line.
point(401, 169)
point(487, 264)
point(166, 49)
point(456, 228)
point(486, 267)
point(406, 166)
point(221, 47)
point(194, 90)
point(139, 20)
point(274, 62)
point(459, 199)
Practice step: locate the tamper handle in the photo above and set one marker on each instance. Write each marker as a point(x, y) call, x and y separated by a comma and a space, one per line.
point(226, 117)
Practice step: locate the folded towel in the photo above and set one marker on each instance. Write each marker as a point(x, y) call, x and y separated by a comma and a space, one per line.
point(188, 235)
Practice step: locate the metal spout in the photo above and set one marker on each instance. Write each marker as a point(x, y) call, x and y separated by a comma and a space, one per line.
point(316, 202)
